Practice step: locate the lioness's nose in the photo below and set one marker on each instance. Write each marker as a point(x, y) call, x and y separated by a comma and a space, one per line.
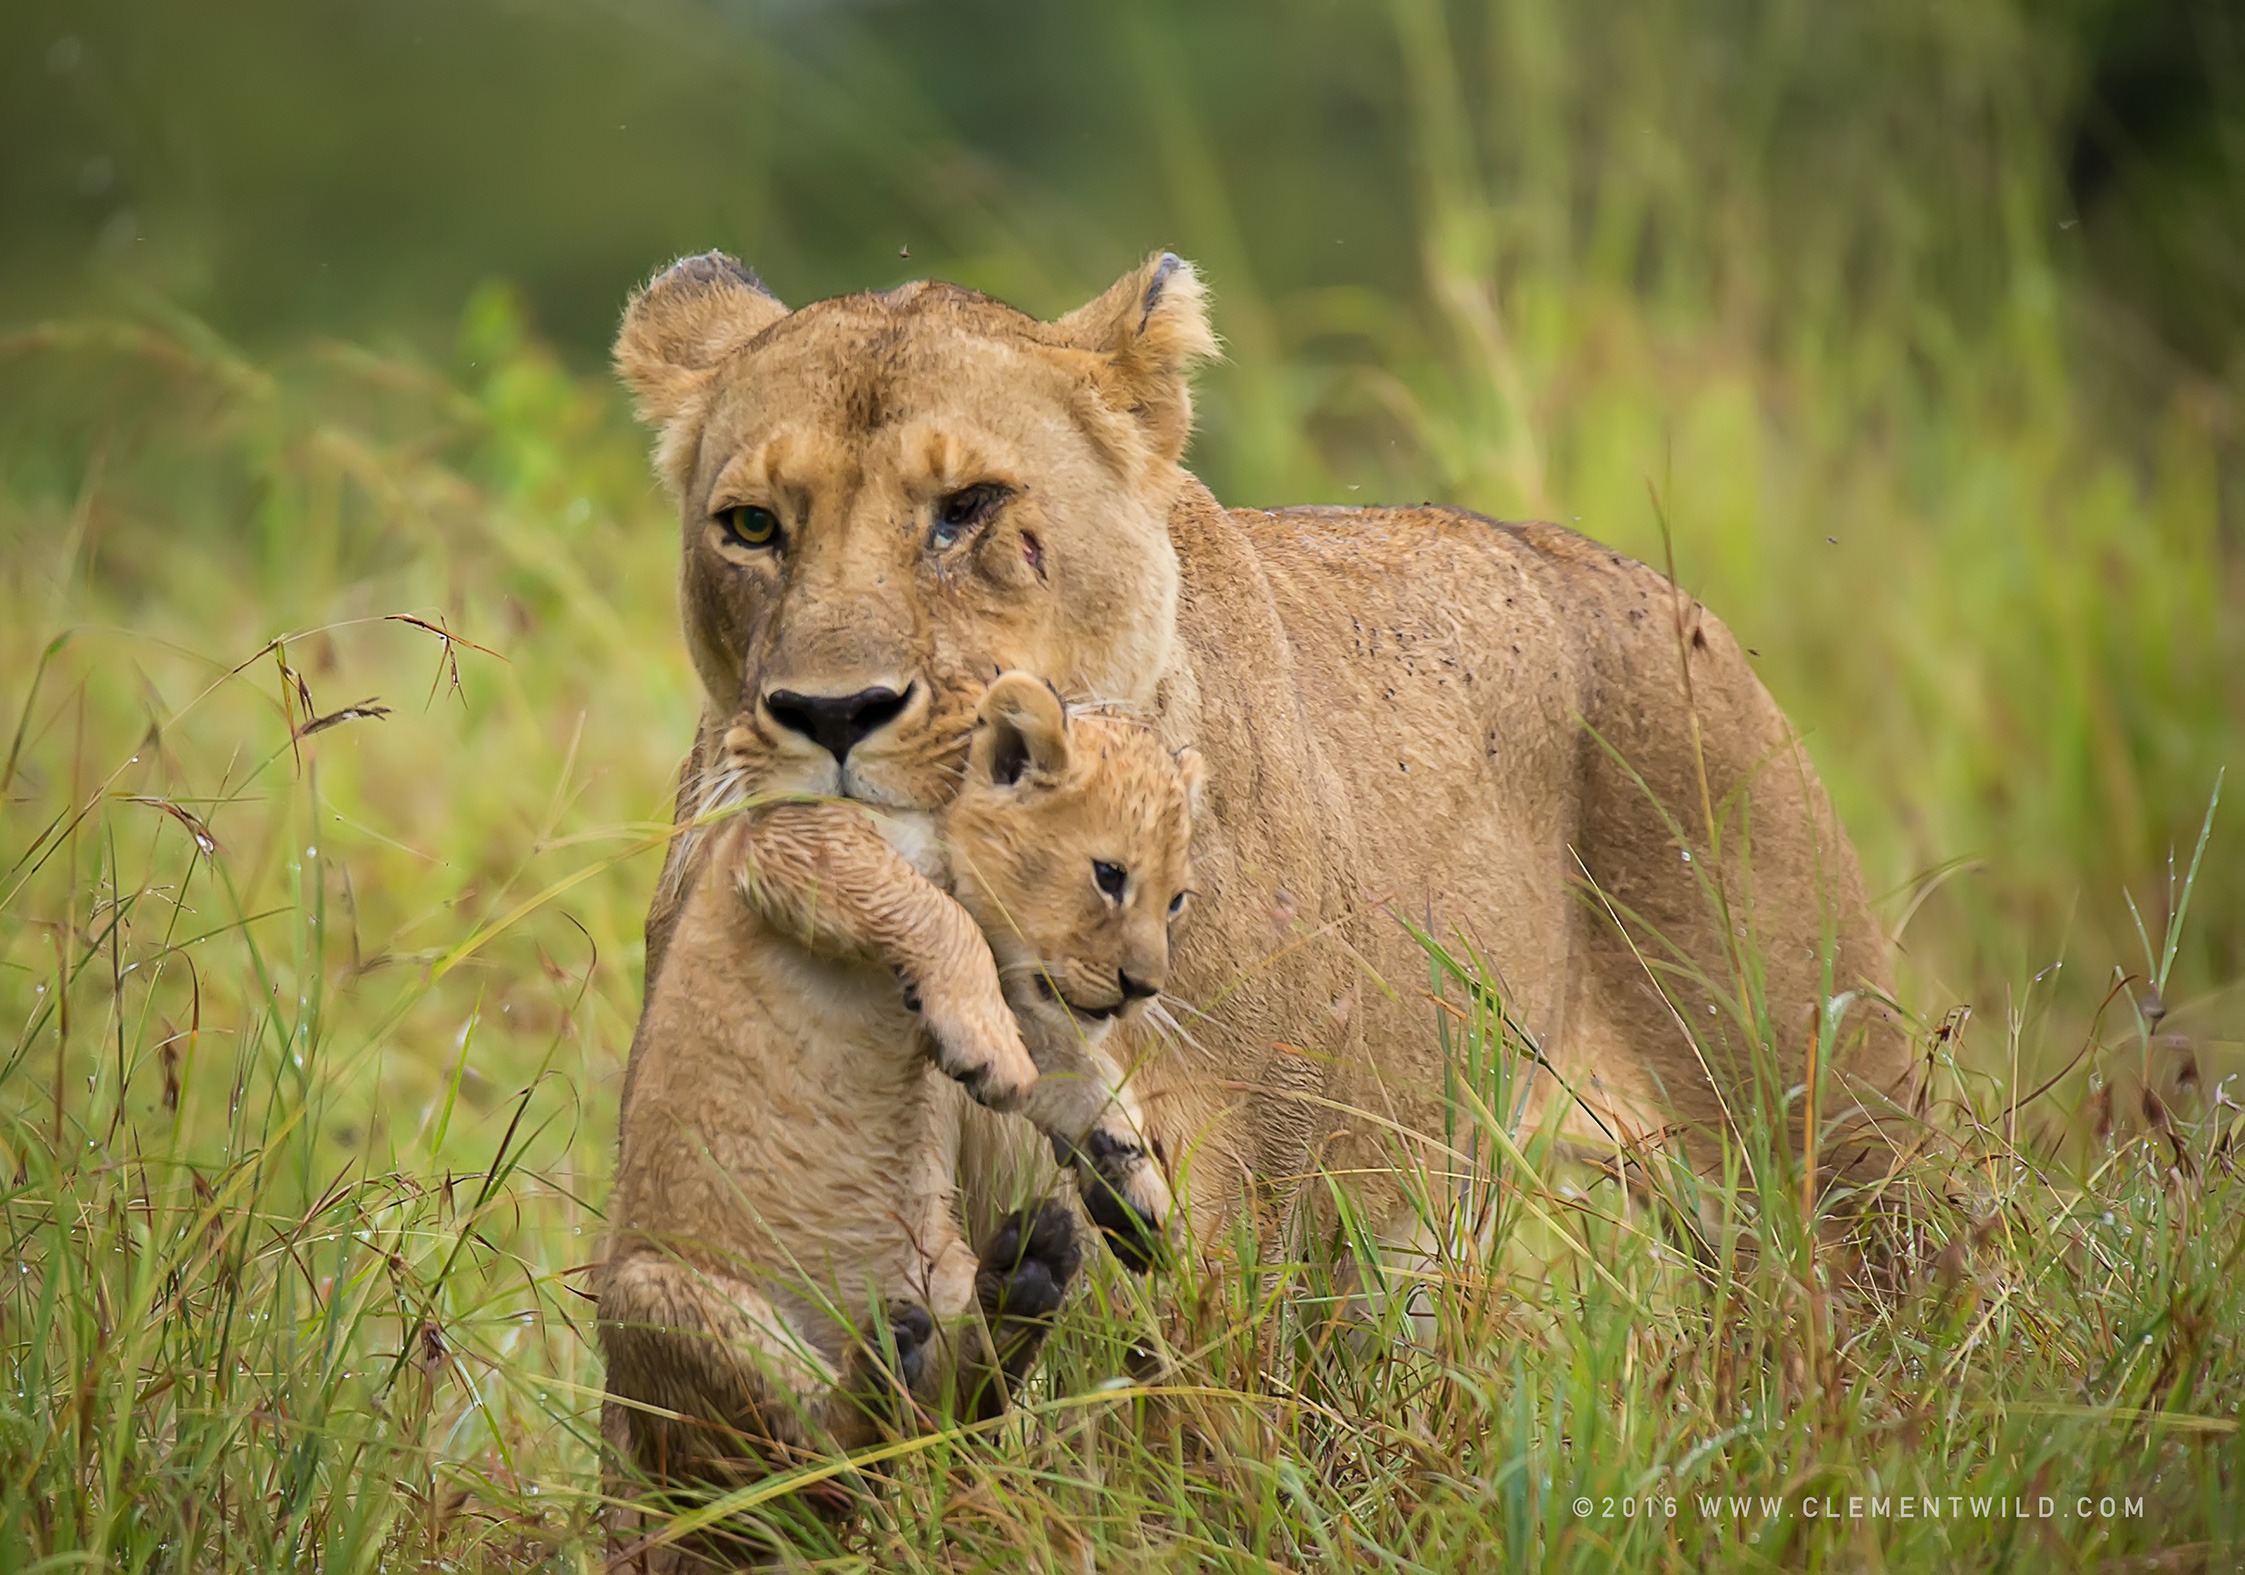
point(837, 722)
point(1133, 988)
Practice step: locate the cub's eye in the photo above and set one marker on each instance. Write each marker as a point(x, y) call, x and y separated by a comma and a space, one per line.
point(1110, 878)
point(1177, 905)
point(959, 514)
point(750, 526)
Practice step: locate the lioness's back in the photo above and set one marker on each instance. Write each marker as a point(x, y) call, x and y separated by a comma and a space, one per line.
point(1506, 712)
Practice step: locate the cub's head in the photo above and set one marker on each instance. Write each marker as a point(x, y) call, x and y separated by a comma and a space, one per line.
point(1070, 845)
point(889, 498)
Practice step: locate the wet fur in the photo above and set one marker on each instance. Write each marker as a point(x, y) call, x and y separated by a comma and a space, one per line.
point(786, 1172)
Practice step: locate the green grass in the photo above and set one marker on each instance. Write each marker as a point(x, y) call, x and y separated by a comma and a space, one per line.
point(313, 1037)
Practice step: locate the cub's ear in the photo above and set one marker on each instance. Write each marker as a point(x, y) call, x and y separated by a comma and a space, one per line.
point(1024, 732)
point(1194, 774)
point(1150, 327)
point(682, 323)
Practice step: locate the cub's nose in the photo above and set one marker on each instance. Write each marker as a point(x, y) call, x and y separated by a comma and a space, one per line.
point(837, 723)
point(1135, 989)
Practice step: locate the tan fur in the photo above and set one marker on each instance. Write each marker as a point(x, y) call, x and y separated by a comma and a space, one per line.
point(1408, 715)
point(786, 1169)
point(1107, 792)
point(748, 1248)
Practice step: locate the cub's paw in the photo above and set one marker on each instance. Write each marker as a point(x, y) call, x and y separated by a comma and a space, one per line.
point(1021, 1281)
point(1126, 1195)
point(911, 1333)
point(980, 1049)
point(1028, 1263)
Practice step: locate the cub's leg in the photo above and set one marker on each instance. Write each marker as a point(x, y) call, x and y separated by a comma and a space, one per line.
point(1085, 1108)
point(1025, 1270)
point(823, 873)
point(710, 1348)
point(750, 1395)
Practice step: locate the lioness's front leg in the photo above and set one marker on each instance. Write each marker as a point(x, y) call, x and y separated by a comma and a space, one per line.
point(823, 873)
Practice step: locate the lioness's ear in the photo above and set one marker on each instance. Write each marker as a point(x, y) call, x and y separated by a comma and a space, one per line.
point(1024, 731)
point(1151, 326)
point(682, 323)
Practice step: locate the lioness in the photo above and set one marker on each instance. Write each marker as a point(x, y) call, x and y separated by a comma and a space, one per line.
point(786, 1178)
point(1411, 717)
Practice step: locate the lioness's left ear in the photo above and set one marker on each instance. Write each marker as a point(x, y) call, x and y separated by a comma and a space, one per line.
point(1024, 732)
point(1150, 327)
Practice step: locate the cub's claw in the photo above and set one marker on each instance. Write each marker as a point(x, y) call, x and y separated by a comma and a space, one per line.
point(890, 1369)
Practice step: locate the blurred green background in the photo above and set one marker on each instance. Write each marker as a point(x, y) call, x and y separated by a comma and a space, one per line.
point(1927, 321)
point(1922, 325)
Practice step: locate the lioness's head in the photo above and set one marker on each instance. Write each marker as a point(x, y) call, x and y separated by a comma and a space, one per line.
point(887, 499)
point(1069, 844)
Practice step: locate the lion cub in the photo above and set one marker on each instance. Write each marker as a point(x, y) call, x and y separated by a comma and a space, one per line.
point(785, 1178)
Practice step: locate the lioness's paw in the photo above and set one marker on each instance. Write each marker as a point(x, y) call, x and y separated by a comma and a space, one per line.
point(981, 1050)
point(1126, 1195)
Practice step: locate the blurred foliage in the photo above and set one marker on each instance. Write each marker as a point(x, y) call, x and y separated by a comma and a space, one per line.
point(1921, 324)
point(1922, 320)
point(358, 168)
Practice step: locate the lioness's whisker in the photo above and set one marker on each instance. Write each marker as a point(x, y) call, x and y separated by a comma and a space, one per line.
point(1166, 999)
point(1158, 1014)
point(724, 789)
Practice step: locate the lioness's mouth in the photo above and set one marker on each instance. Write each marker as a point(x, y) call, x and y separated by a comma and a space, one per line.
point(1096, 1014)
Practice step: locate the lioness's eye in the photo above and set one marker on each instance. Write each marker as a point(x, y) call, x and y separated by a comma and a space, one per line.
point(958, 513)
point(1177, 905)
point(750, 526)
point(1109, 876)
